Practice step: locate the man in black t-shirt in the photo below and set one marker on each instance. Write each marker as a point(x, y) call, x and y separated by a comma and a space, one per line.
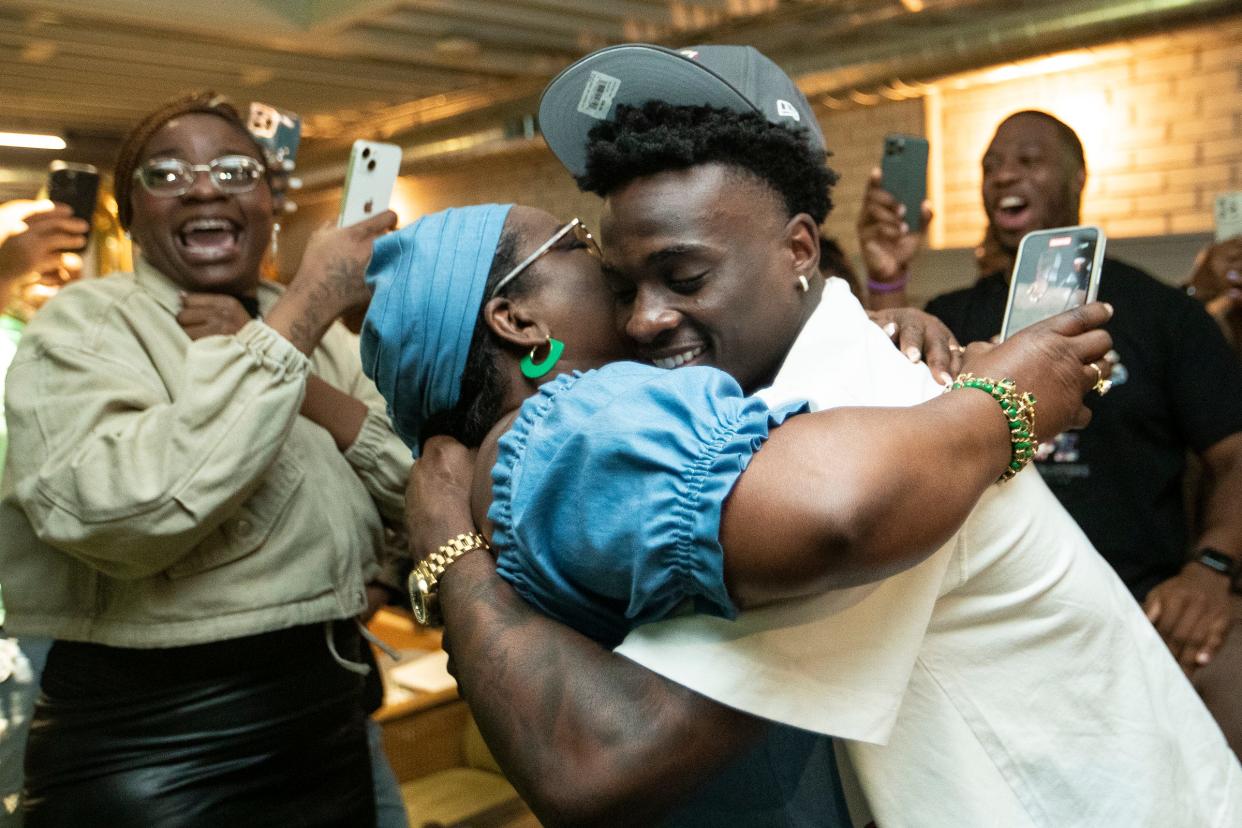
point(1176, 387)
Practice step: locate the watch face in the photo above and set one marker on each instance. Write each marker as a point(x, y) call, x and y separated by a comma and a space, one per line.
point(420, 608)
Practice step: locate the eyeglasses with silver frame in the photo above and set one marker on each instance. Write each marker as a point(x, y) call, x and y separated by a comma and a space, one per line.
point(172, 177)
point(581, 234)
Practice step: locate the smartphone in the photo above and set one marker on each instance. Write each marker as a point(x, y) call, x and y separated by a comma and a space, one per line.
point(278, 132)
point(76, 185)
point(903, 173)
point(1228, 216)
point(369, 181)
point(1055, 270)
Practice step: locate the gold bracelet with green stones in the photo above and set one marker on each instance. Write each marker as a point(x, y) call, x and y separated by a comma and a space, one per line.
point(1019, 410)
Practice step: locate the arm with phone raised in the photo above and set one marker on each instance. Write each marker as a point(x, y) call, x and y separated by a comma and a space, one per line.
point(33, 235)
point(894, 217)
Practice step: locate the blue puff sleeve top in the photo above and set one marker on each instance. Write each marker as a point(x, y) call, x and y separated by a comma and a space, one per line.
point(608, 491)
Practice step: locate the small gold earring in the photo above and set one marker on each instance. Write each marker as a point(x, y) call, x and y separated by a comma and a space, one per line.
point(803, 283)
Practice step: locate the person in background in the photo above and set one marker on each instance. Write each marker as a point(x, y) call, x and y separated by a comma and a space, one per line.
point(193, 504)
point(1176, 388)
point(32, 236)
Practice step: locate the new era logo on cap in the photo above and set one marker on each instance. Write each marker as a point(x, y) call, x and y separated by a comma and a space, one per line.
point(787, 110)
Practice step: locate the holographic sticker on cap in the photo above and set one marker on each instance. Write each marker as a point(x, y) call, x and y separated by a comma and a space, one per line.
point(597, 96)
point(787, 110)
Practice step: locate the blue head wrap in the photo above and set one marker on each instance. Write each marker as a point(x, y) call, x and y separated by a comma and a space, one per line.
point(426, 283)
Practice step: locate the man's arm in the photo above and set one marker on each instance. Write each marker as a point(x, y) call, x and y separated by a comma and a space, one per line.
point(586, 736)
point(1191, 609)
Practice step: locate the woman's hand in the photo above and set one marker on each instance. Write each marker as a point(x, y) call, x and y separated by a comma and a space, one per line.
point(329, 282)
point(211, 314)
point(1053, 360)
point(922, 338)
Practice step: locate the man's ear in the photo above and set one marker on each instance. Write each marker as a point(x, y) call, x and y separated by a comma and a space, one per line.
point(513, 324)
point(802, 240)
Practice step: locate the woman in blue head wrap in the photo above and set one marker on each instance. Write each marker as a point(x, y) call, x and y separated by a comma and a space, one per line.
point(614, 497)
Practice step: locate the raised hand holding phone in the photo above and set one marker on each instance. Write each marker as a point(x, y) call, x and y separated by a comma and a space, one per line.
point(369, 181)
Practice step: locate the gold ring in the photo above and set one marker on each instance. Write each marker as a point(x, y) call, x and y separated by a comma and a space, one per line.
point(1102, 386)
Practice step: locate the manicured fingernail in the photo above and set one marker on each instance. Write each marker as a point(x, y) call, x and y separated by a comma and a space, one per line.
point(1113, 357)
point(891, 329)
point(945, 379)
point(1233, 276)
point(1110, 308)
point(905, 228)
point(913, 354)
point(1203, 657)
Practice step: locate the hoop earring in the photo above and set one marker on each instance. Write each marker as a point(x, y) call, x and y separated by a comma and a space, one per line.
point(803, 283)
point(535, 370)
point(275, 245)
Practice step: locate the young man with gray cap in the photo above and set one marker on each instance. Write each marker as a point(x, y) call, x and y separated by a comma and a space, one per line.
point(993, 671)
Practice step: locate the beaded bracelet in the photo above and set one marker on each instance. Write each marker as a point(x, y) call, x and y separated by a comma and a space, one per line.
point(1019, 410)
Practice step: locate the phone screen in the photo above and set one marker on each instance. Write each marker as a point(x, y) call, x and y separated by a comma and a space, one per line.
point(1056, 270)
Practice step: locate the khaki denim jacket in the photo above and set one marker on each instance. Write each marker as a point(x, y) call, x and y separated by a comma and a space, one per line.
point(161, 492)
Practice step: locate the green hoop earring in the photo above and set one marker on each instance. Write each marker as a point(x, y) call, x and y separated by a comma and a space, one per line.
point(535, 370)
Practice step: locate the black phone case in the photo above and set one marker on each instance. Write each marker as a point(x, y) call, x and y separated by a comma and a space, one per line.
point(904, 174)
point(77, 188)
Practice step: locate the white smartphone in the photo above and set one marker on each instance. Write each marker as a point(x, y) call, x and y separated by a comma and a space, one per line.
point(369, 181)
point(1055, 270)
point(1228, 216)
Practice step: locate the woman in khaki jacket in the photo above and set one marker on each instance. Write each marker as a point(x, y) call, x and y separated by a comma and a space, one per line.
point(192, 506)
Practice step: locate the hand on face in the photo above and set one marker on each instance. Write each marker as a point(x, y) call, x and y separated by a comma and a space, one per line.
point(1053, 360)
point(884, 237)
point(39, 237)
point(211, 314)
point(922, 337)
point(1191, 613)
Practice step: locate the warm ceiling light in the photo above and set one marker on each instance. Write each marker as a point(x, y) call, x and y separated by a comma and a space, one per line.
point(913, 5)
point(30, 140)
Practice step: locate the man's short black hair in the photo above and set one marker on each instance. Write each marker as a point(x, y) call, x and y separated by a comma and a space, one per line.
point(1065, 134)
point(658, 137)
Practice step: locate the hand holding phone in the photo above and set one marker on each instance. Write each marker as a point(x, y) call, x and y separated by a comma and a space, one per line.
point(1055, 270)
point(76, 185)
point(369, 181)
point(903, 173)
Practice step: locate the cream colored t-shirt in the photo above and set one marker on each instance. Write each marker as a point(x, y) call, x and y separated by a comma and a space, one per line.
point(1009, 680)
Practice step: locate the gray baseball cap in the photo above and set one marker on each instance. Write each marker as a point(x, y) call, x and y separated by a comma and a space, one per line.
point(739, 78)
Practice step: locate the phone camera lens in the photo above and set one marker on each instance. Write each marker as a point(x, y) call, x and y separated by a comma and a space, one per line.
point(371, 165)
point(366, 152)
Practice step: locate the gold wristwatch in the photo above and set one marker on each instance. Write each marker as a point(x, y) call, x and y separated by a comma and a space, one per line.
point(425, 579)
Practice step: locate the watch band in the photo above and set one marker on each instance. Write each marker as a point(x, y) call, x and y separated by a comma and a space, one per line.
point(424, 583)
point(1218, 561)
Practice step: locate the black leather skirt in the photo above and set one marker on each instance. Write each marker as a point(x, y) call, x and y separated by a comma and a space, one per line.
point(267, 730)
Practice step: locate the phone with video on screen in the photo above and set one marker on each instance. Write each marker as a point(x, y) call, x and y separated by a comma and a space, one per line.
point(76, 185)
point(1227, 216)
point(369, 181)
point(1055, 270)
point(903, 173)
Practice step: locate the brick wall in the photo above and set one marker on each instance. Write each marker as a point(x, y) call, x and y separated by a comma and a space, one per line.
point(1160, 118)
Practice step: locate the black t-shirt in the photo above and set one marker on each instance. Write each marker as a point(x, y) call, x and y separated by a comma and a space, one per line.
point(1178, 387)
